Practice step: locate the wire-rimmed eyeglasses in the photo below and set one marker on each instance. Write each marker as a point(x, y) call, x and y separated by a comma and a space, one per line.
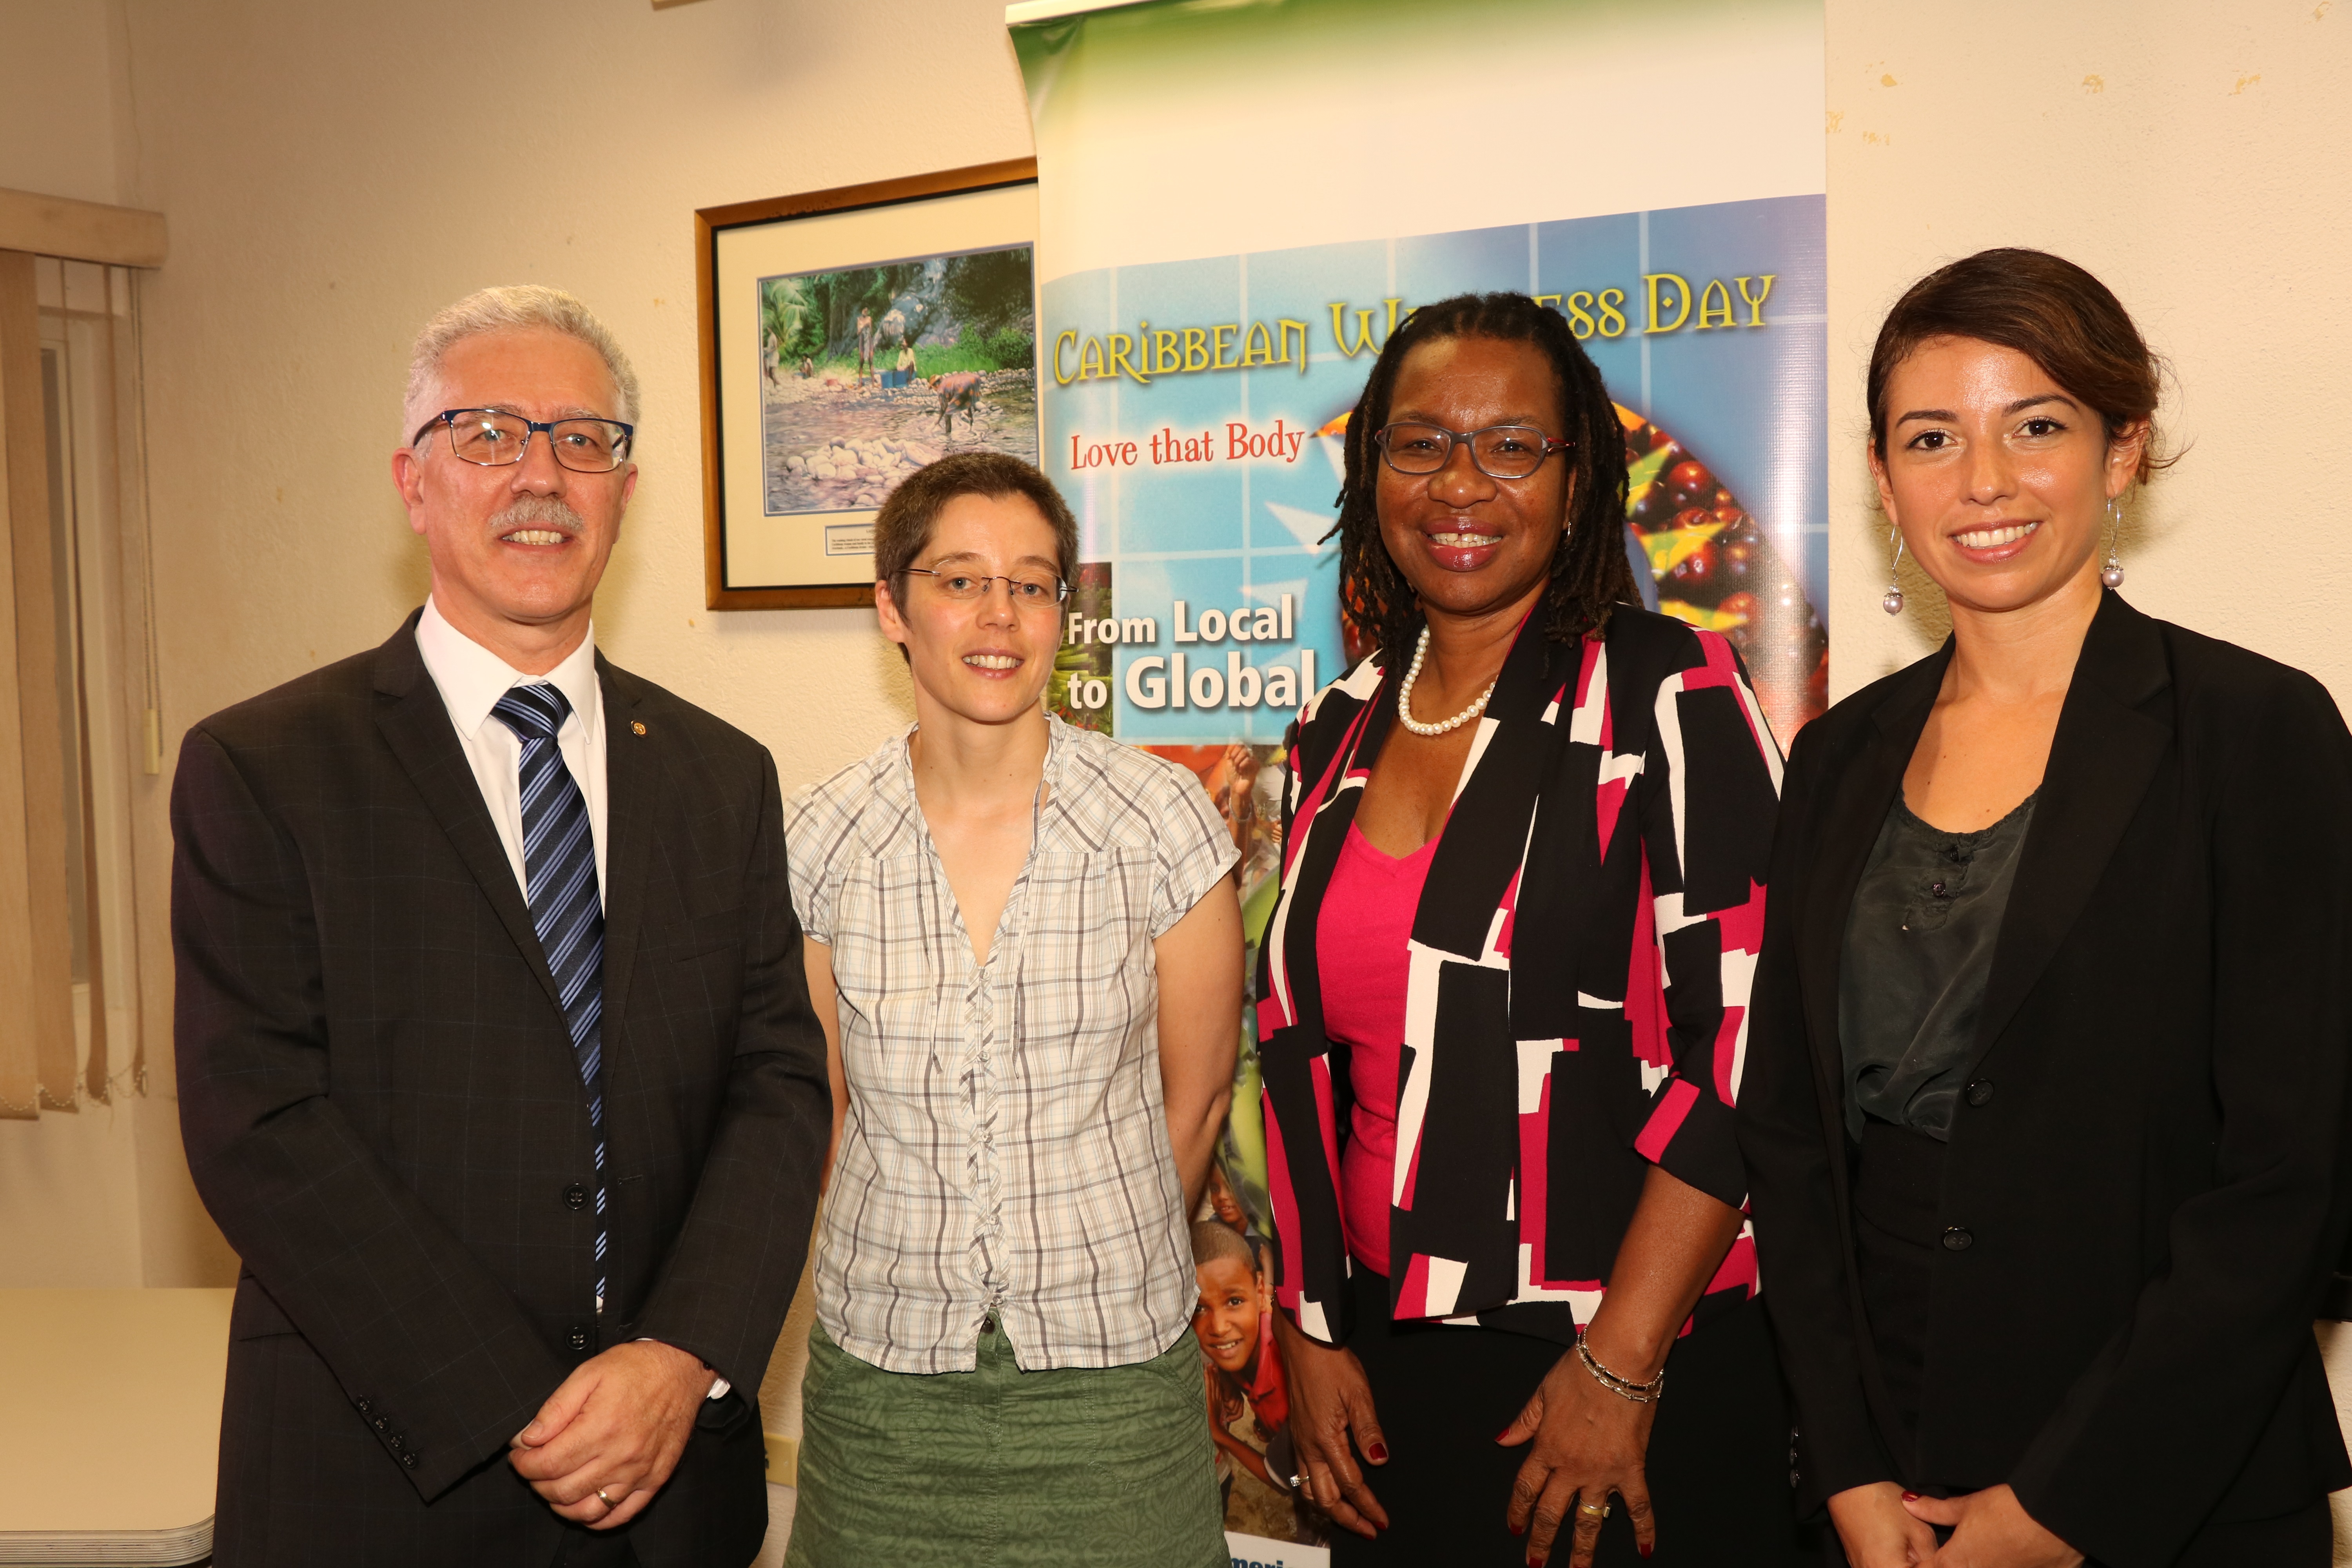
point(495, 438)
point(1027, 592)
point(1501, 451)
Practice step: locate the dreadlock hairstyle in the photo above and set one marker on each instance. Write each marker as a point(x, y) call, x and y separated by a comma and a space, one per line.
point(1589, 573)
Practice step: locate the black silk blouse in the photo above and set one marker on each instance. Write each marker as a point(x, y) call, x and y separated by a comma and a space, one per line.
point(1918, 950)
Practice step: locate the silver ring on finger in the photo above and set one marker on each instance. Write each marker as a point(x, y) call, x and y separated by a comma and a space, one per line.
point(1298, 1483)
point(608, 1502)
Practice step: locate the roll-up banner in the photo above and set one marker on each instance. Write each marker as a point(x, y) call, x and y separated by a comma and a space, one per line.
point(1238, 201)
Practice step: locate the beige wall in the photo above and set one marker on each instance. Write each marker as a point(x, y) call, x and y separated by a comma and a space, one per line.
point(2198, 158)
point(57, 98)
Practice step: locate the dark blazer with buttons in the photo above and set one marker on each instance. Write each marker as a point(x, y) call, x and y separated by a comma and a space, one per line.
point(382, 1111)
point(2145, 1188)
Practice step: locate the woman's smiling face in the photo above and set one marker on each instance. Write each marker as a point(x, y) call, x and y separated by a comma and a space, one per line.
point(1998, 476)
point(987, 658)
point(1469, 543)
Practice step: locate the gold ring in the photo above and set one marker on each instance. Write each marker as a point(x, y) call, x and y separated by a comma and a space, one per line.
point(608, 1502)
point(1593, 1510)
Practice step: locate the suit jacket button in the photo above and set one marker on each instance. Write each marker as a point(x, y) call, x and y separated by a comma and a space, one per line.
point(578, 1338)
point(409, 1460)
point(1980, 1091)
point(575, 1196)
point(365, 1405)
point(381, 1422)
point(396, 1442)
point(1957, 1239)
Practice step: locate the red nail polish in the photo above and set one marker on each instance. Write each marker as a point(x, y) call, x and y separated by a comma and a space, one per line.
point(1378, 1453)
point(1516, 1529)
point(1644, 1551)
point(1910, 1497)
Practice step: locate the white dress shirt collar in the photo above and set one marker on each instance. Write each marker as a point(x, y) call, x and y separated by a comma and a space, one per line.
point(472, 678)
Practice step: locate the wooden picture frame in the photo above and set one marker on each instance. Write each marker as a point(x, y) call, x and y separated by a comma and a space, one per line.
point(780, 521)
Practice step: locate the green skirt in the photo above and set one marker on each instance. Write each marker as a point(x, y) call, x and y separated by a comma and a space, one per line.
point(1076, 1466)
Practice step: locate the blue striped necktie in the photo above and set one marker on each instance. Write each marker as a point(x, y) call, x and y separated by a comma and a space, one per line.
point(558, 863)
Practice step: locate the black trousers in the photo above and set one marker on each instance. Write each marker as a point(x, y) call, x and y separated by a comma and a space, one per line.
point(1718, 1460)
point(586, 1548)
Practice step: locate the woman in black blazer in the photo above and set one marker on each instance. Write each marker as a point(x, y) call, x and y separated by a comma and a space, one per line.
point(2047, 1079)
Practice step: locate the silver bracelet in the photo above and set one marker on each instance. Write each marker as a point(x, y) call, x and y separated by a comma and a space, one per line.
point(1648, 1393)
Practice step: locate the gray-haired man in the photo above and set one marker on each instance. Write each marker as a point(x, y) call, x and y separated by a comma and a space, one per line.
point(495, 1059)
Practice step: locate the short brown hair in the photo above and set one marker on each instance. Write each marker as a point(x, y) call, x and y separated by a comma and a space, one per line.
point(903, 527)
point(1215, 1240)
point(2045, 307)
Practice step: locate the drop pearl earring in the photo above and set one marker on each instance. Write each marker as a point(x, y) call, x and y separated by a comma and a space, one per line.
point(2111, 574)
point(1893, 601)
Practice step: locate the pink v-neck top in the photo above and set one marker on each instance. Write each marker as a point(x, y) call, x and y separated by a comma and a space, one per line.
point(1363, 962)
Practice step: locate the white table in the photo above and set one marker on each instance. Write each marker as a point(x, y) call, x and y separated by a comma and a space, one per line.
point(109, 1425)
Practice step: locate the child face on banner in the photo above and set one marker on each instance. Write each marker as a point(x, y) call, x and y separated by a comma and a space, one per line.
point(1997, 478)
point(985, 659)
point(1469, 543)
point(1222, 1200)
point(1233, 1298)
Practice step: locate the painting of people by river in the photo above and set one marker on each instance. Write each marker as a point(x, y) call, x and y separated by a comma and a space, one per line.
point(869, 373)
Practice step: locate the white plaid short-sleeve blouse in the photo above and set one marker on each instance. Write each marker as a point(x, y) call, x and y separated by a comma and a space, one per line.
point(1005, 1148)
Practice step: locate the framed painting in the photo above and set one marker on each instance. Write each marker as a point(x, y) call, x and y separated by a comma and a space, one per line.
point(849, 337)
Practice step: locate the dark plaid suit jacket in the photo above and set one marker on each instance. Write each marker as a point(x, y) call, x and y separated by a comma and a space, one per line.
point(381, 1111)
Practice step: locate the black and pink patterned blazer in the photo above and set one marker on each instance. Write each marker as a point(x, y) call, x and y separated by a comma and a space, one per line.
point(1580, 958)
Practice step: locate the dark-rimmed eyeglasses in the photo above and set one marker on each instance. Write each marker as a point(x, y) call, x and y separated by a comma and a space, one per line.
point(1028, 592)
point(493, 438)
point(1501, 451)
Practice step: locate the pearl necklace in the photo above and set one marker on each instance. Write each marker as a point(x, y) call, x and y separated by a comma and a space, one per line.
point(1404, 697)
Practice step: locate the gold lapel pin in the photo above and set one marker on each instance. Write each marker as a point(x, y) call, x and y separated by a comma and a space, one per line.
point(638, 725)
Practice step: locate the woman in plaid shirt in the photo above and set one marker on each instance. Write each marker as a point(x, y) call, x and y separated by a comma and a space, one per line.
point(1026, 951)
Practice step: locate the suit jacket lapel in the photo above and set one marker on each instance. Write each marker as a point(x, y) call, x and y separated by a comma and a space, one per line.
point(415, 725)
point(1485, 835)
point(2111, 735)
point(1864, 793)
point(1866, 789)
point(633, 774)
point(1326, 832)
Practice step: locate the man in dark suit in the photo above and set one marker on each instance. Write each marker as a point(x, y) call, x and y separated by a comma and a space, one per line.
point(495, 1059)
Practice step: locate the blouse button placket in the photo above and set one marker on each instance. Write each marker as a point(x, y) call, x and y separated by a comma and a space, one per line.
point(979, 1042)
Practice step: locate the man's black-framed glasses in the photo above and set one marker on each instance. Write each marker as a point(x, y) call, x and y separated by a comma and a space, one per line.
point(1501, 451)
point(1028, 592)
point(493, 438)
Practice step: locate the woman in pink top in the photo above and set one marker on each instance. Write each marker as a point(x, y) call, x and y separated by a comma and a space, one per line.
point(1504, 1002)
point(1362, 946)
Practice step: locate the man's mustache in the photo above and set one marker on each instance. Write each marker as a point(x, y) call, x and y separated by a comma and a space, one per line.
point(537, 511)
